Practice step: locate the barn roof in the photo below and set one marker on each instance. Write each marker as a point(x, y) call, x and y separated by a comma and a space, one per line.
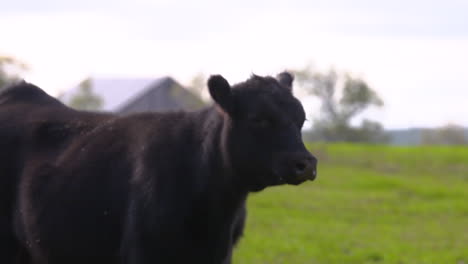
point(125, 95)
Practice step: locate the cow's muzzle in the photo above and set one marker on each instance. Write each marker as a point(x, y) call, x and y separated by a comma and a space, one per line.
point(303, 168)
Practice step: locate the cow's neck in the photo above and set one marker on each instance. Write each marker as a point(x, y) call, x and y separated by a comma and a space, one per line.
point(215, 157)
point(221, 196)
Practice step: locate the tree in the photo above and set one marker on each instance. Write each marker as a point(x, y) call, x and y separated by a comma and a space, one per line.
point(9, 70)
point(342, 98)
point(449, 134)
point(85, 98)
point(198, 86)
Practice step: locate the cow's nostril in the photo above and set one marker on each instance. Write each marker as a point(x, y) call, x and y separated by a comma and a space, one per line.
point(300, 167)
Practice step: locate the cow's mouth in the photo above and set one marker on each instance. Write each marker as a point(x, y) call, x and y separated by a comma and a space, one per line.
point(294, 168)
point(298, 180)
point(275, 179)
point(294, 179)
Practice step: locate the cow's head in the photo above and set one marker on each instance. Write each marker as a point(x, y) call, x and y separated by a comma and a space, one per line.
point(263, 122)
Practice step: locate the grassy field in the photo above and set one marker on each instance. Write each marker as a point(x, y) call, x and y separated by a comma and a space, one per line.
point(370, 204)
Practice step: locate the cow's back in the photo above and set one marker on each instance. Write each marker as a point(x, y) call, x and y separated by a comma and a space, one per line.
point(19, 104)
point(34, 129)
point(34, 124)
point(24, 110)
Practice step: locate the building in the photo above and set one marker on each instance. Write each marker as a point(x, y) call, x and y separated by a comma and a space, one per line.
point(124, 96)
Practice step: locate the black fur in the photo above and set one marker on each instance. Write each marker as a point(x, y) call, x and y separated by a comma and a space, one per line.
point(83, 187)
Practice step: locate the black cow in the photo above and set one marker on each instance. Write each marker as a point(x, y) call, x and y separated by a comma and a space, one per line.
point(84, 187)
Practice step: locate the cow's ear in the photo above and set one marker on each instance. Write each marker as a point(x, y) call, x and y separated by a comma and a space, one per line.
point(286, 80)
point(220, 91)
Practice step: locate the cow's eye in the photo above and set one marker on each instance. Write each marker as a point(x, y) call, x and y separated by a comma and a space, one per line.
point(260, 122)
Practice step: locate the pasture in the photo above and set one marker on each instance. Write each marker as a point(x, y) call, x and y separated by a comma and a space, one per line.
point(369, 204)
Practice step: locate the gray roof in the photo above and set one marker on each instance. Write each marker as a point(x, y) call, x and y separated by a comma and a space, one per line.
point(139, 95)
point(164, 95)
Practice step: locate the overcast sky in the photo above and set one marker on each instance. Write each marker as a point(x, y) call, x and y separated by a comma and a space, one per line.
point(414, 53)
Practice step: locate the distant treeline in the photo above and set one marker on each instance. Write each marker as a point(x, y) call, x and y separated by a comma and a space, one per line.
point(446, 135)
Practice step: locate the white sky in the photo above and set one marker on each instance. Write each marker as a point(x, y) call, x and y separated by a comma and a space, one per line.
point(414, 53)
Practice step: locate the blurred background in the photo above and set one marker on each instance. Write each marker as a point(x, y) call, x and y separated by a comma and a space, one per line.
point(384, 85)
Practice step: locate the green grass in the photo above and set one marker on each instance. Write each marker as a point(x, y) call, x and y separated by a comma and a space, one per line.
point(370, 204)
